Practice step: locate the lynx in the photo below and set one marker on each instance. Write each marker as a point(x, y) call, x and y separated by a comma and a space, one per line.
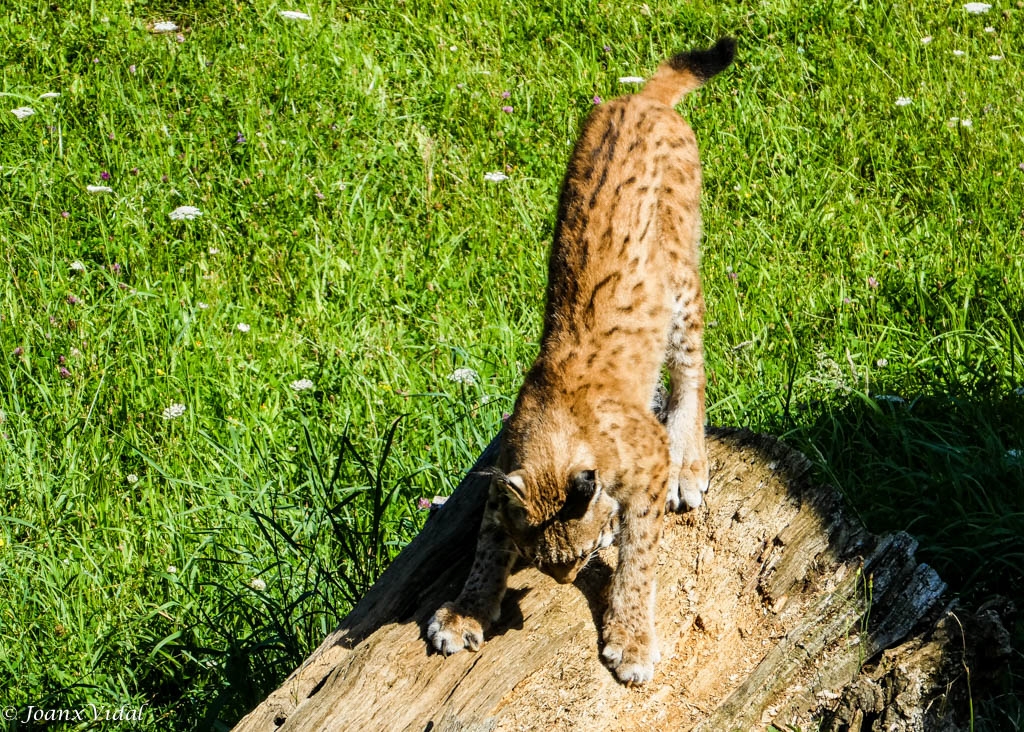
point(584, 461)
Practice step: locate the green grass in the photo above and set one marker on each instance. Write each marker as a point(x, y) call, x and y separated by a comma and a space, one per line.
point(853, 248)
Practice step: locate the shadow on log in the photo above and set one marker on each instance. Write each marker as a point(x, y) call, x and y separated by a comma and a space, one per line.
point(774, 607)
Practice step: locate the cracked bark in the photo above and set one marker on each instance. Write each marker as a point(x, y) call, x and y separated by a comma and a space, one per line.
point(774, 606)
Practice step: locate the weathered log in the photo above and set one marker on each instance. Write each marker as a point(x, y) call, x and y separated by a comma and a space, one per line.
point(774, 606)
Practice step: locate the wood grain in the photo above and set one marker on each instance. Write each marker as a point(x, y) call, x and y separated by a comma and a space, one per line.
point(774, 606)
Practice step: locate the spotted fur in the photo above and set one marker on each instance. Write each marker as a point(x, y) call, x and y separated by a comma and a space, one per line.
point(583, 460)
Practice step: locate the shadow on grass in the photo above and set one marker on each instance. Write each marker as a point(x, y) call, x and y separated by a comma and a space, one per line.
point(949, 469)
point(230, 638)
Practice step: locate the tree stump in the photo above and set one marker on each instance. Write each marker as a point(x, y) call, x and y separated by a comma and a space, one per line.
point(774, 607)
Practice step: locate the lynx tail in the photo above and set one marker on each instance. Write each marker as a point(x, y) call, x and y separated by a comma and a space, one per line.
point(687, 71)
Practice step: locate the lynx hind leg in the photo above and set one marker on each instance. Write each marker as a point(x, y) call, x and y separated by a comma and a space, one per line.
point(689, 476)
point(462, 624)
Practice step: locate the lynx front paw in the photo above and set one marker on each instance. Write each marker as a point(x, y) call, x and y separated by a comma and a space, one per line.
point(631, 655)
point(449, 631)
point(688, 489)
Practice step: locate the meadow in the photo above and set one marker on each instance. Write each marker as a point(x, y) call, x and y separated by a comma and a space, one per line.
point(270, 281)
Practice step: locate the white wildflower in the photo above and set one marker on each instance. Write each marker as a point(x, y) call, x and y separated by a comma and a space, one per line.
point(77, 266)
point(882, 363)
point(464, 376)
point(495, 177)
point(174, 411)
point(995, 57)
point(903, 101)
point(171, 569)
point(952, 122)
point(890, 398)
point(926, 40)
point(23, 112)
point(257, 584)
point(966, 123)
point(631, 80)
point(977, 8)
point(49, 95)
point(132, 478)
point(99, 189)
point(213, 250)
point(185, 213)
point(202, 305)
point(243, 327)
point(958, 52)
point(989, 29)
point(164, 26)
point(294, 15)
point(301, 384)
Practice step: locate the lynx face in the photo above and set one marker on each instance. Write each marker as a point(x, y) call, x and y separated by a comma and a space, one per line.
point(559, 544)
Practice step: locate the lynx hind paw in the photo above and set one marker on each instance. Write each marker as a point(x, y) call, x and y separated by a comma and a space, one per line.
point(687, 491)
point(449, 631)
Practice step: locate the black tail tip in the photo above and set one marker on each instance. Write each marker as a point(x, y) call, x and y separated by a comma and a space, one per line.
point(706, 63)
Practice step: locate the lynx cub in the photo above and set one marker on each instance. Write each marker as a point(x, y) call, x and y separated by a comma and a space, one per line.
point(583, 459)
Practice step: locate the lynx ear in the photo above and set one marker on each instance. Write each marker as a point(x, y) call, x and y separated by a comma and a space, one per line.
point(583, 492)
point(585, 483)
point(515, 486)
